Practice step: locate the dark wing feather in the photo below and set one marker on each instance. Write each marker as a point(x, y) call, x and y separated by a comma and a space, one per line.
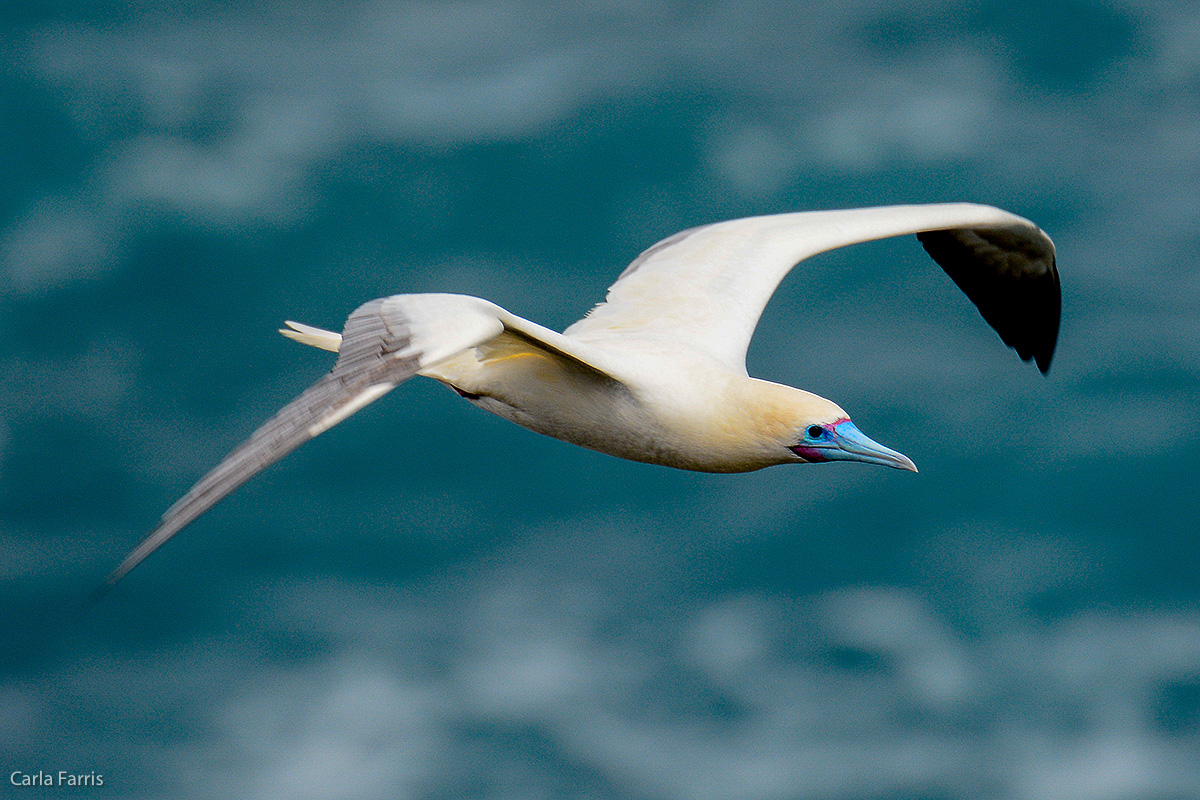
point(1010, 275)
point(706, 287)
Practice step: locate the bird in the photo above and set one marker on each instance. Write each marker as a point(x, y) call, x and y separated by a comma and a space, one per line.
point(656, 373)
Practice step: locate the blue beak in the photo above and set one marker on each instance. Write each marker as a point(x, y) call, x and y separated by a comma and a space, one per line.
point(850, 444)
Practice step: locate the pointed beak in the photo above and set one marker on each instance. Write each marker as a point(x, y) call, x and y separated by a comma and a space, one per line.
point(851, 444)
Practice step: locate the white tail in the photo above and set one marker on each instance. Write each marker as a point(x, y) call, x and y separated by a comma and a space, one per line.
point(313, 337)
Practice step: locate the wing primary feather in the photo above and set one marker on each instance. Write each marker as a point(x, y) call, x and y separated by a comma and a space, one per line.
point(377, 353)
point(1010, 274)
point(291, 427)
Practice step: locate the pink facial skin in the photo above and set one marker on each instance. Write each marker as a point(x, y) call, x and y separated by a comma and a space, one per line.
point(814, 454)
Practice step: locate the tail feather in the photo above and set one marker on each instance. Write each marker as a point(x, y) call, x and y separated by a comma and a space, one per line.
point(313, 337)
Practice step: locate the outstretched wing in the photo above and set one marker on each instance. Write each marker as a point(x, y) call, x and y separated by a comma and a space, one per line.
point(706, 287)
point(384, 342)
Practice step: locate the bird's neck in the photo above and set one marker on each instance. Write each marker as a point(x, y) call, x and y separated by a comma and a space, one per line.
point(741, 425)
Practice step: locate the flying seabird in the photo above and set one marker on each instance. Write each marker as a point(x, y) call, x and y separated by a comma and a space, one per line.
point(656, 373)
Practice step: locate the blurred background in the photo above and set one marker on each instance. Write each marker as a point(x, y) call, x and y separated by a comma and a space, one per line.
point(429, 602)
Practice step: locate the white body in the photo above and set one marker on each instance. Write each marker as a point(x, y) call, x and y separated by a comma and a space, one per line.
point(657, 372)
point(658, 403)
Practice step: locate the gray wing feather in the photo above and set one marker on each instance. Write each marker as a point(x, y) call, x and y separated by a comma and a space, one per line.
point(377, 353)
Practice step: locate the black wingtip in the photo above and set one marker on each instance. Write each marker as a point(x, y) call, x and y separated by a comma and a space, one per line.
point(1010, 274)
point(1043, 362)
point(1041, 355)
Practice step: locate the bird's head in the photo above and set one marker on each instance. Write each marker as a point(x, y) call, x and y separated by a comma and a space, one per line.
point(813, 430)
point(841, 440)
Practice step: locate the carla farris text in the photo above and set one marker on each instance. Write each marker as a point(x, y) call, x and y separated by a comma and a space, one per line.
point(60, 778)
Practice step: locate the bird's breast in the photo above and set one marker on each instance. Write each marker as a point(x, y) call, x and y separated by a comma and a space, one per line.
point(657, 413)
point(550, 395)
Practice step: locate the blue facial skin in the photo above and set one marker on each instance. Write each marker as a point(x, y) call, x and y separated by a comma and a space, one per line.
point(841, 440)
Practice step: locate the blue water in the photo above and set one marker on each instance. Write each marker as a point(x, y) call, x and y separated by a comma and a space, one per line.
point(428, 602)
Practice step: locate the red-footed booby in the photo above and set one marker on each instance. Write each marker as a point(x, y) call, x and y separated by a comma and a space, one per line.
point(656, 373)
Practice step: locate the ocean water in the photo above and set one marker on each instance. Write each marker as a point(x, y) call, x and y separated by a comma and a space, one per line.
point(429, 602)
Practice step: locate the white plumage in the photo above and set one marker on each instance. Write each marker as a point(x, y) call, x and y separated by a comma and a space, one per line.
point(656, 373)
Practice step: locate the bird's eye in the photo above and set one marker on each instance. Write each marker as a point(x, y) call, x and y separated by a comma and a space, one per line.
point(815, 431)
